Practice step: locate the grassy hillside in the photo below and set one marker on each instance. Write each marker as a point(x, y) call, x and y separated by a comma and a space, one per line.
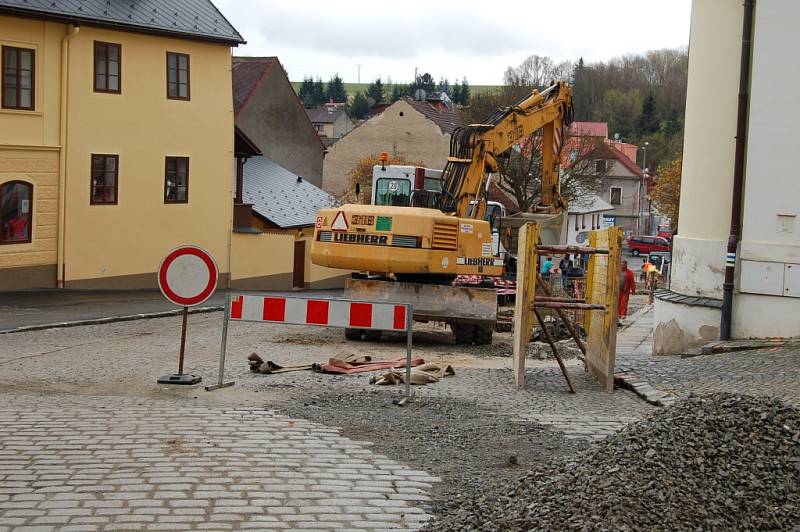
point(353, 88)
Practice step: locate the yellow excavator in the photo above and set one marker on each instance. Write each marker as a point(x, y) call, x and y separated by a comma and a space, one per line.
point(417, 251)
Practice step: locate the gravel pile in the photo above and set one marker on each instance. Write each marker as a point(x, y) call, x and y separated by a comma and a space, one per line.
point(716, 462)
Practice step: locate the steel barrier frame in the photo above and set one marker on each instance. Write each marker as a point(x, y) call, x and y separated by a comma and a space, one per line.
point(226, 319)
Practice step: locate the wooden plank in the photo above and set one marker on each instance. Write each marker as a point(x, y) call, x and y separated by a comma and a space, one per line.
point(526, 288)
point(612, 302)
point(554, 349)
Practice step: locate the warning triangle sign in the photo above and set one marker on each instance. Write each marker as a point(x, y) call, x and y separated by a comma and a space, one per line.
point(339, 222)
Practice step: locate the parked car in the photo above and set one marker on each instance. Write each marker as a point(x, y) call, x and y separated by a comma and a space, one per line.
point(643, 244)
point(664, 231)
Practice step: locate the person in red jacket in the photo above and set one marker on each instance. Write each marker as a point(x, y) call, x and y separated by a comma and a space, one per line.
point(627, 286)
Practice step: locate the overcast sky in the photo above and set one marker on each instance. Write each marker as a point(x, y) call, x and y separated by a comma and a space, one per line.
point(448, 38)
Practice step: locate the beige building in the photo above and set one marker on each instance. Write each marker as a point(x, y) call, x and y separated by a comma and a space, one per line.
point(415, 129)
point(116, 132)
point(331, 123)
point(766, 288)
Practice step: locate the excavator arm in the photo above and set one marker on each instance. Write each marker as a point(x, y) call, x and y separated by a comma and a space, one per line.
point(474, 149)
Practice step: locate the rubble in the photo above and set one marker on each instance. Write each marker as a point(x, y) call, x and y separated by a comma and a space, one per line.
point(719, 461)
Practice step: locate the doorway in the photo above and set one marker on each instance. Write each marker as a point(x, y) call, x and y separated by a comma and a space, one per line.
point(299, 275)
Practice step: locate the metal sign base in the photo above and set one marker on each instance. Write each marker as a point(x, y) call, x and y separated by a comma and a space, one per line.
point(180, 378)
point(212, 387)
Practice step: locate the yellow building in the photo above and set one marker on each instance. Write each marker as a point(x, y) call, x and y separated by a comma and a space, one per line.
point(116, 140)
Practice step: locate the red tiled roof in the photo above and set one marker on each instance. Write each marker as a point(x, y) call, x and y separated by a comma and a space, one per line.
point(624, 160)
point(589, 129)
point(496, 194)
point(447, 119)
point(247, 75)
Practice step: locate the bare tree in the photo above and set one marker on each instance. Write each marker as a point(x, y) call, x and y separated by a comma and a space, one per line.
point(580, 175)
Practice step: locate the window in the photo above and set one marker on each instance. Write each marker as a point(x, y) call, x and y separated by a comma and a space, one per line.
point(16, 206)
point(616, 195)
point(320, 128)
point(107, 71)
point(176, 180)
point(600, 166)
point(177, 76)
point(395, 192)
point(105, 172)
point(18, 78)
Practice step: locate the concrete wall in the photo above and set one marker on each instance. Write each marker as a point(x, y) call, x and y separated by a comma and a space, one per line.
point(342, 126)
point(679, 327)
point(122, 245)
point(398, 130)
point(275, 120)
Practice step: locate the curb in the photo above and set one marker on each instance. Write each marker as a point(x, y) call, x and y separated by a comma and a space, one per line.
point(643, 389)
point(110, 319)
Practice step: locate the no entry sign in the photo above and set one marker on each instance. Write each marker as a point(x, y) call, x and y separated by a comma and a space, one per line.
point(188, 276)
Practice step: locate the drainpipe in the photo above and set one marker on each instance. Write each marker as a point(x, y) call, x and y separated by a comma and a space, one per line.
point(62, 159)
point(738, 172)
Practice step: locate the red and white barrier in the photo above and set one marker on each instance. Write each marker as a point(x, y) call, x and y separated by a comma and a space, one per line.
point(290, 310)
point(321, 312)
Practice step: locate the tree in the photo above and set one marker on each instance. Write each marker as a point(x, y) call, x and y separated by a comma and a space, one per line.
point(521, 170)
point(318, 94)
point(306, 92)
point(375, 91)
point(398, 91)
point(335, 90)
point(455, 93)
point(648, 123)
point(444, 86)
point(361, 176)
point(359, 108)
point(667, 190)
point(621, 110)
point(463, 96)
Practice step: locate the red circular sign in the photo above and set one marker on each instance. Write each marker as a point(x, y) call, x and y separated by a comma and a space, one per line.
point(188, 276)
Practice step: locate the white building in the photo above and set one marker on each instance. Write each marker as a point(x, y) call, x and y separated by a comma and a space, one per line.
point(585, 215)
point(766, 295)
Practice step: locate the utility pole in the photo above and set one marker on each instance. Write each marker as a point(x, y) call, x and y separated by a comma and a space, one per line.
point(359, 74)
point(641, 186)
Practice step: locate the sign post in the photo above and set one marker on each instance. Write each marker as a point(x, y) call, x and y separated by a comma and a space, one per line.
point(187, 277)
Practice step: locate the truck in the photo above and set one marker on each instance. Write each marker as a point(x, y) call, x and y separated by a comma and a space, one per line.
point(409, 248)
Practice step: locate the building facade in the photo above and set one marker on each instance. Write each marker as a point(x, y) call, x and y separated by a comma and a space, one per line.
point(331, 122)
point(415, 129)
point(269, 111)
point(116, 128)
point(766, 296)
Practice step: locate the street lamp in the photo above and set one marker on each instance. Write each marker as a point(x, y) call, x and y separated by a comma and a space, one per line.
point(641, 185)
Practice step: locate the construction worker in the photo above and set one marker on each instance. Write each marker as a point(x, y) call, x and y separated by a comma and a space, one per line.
point(627, 286)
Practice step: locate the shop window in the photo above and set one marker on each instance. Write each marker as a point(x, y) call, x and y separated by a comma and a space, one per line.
point(16, 210)
point(176, 180)
point(107, 71)
point(18, 78)
point(105, 175)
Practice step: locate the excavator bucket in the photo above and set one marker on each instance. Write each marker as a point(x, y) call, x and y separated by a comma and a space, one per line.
point(553, 228)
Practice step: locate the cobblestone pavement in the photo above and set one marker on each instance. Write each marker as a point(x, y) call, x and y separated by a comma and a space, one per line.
point(772, 370)
point(112, 464)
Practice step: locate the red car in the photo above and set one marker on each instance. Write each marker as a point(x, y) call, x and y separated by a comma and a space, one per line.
point(664, 231)
point(644, 245)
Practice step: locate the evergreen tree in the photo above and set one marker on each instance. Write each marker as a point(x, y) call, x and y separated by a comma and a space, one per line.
point(375, 91)
point(443, 86)
point(359, 109)
point(398, 91)
point(335, 90)
point(318, 93)
point(455, 93)
point(648, 123)
point(464, 93)
point(306, 92)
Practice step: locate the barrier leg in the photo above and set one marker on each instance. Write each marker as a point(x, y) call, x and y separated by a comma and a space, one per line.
point(223, 348)
point(409, 335)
